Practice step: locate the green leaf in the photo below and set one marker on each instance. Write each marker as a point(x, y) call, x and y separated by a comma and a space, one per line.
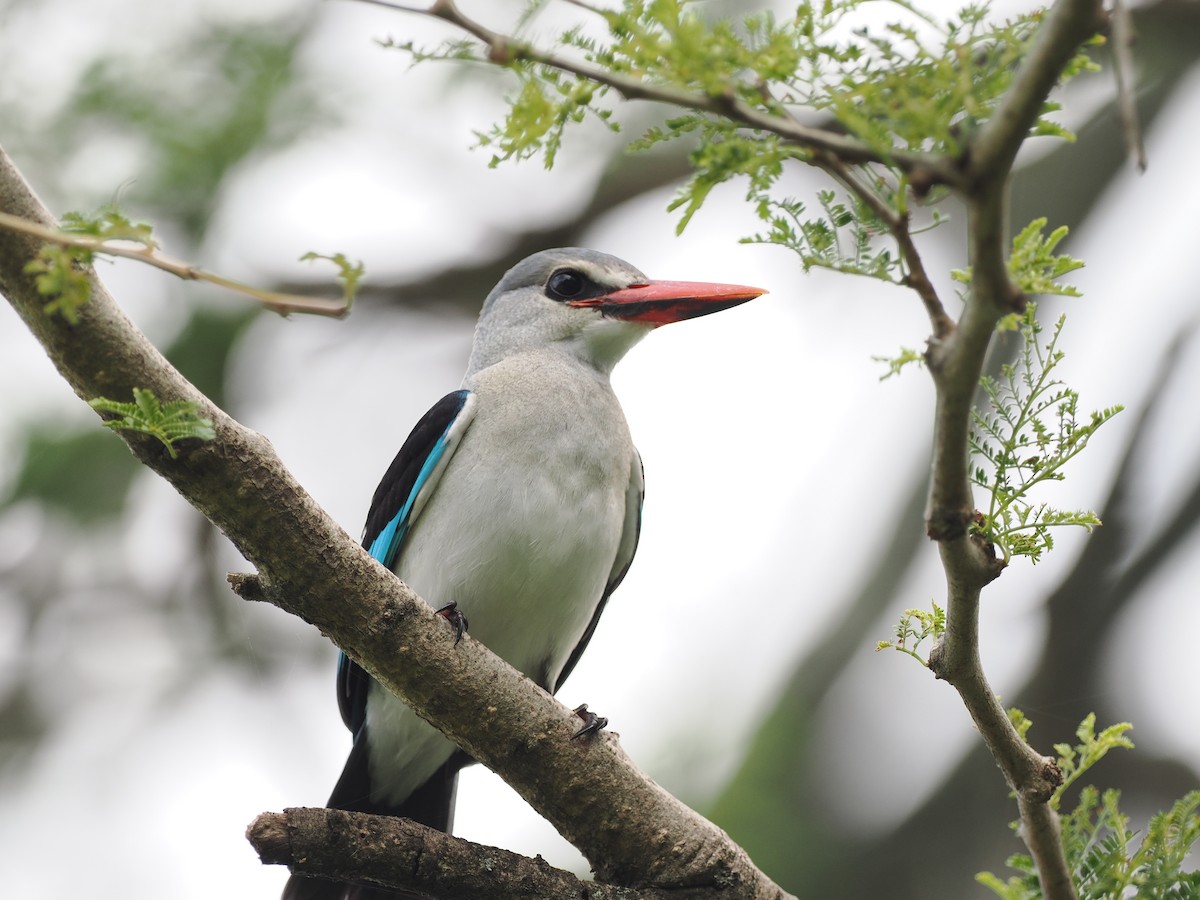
point(914, 627)
point(108, 224)
point(349, 273)
point(61, 272)
point(169, 422)
point(1092, 747)
point(1033, 265)
point(63, 275)
point(538, 114)
point(896, 363)
point(1105, 858)
point(1024, 436)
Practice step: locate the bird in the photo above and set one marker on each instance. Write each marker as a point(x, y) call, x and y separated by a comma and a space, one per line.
point(515, 501)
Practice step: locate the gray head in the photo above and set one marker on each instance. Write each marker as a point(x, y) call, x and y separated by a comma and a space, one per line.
point(589, 304)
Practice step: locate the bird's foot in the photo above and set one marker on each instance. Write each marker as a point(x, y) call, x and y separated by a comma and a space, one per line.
point(592, 723)
point(457, 620)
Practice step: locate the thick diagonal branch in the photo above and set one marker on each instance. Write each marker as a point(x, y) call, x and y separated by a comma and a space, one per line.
point(631, 830)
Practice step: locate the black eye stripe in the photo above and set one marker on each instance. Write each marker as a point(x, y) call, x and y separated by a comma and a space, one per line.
point(571, 285)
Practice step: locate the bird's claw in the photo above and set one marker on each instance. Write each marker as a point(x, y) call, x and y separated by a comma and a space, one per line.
point(457, 620)
point(592, 723)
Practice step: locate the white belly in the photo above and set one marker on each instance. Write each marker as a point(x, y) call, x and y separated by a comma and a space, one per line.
point(522, 532)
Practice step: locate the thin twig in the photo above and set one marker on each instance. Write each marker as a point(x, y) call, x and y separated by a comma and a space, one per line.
point(503, 49)
point(898, 226)
point(398, 7)
point(1122, 40)
point(1066, 25)
point(275, 301)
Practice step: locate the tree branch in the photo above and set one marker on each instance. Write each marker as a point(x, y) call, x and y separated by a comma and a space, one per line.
point(1123, 38)
point(1067, 24)
point(956, 364)
point(389, 852)
point(503, 49)
point(276, 301)
point(630, 829)
point(833, 152)
point(898, 226)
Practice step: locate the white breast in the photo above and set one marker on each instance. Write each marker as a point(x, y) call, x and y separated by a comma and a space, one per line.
point(521, 532)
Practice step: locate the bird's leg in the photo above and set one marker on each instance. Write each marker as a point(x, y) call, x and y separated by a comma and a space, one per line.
point(592, 723)
point(457, 620)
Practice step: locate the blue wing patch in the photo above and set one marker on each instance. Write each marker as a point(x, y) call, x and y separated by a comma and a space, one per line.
point(414, 473)
point(405, 489)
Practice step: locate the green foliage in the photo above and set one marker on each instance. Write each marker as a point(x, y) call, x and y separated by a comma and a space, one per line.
point(170, 422)
point(1020, 722)
point(349, 273)
point(1092, 747)
point(896, 364)
point(62, 271)
point(914, 627)
point(1026, 435)
point(849, 236)
point(547, 103)
point(62, 275)
point(1032, 264)
point(1105, 859)
point(918, 84)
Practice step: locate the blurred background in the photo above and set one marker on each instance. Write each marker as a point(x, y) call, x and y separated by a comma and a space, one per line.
point(147, 714)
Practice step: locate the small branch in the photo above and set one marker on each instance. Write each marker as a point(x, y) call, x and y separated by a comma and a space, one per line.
point(275, 301)
point(832, 152)
point(389, 852)
point(1032, 776)
point(897, 224)
point(503, 49)
point(955, 659)
point(1043, 836)
point(1122, 44)
point(918, 279)
point(956, 364)
point(969, 561)
point(1067, 24)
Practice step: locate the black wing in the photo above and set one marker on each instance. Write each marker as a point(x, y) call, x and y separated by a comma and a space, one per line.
point(399, 499)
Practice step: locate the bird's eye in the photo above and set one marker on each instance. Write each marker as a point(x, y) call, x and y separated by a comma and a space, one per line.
point(566, 283)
